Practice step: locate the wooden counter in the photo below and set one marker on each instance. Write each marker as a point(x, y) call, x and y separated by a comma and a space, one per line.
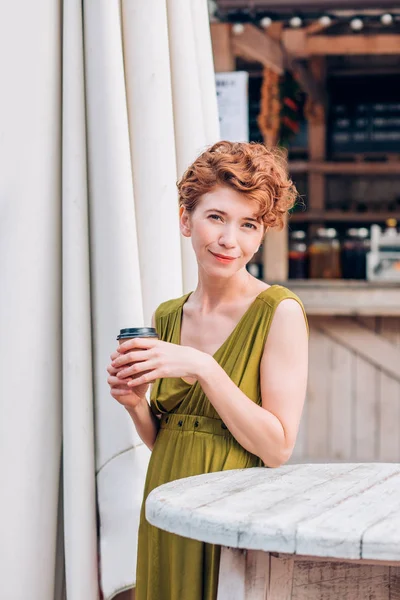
point(347, 297)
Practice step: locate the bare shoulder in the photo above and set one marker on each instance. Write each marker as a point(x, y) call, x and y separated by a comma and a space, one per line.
point(288, 321)
point(289, 307)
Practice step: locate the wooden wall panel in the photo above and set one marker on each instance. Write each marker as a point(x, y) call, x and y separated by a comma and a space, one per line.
point(366, 404)
point(341, 403)
point(318, 395)
point(389, 398)
point(352, 409)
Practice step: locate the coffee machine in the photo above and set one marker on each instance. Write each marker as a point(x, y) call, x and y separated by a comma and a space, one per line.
point(383, 259)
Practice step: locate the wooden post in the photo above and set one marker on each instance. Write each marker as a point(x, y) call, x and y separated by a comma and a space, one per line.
point(224, 59)
point(317, 141)
point(275, 255)
point(275, 245)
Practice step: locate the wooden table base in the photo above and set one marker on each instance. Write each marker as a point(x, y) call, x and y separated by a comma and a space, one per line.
point(254, 575)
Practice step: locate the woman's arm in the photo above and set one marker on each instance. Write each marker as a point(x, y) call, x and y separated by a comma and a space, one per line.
point(268, 431)
point(147, 425)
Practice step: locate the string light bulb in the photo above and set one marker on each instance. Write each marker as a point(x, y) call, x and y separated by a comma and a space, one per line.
point(237, 28)
point(266, 22)
point(296, 22)
point(387, 19)
point(357, 24)
point(325, 20)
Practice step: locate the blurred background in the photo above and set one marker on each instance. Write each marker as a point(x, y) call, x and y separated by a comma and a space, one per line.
point(322, 80)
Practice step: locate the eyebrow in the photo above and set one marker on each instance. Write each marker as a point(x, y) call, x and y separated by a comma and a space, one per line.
point(221, 212)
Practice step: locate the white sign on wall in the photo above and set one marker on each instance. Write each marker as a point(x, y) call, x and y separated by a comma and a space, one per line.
point(233, 105)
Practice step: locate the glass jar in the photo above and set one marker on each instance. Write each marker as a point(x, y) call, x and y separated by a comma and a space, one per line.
point(354, 253)
point(324, 255)
point(298, 255)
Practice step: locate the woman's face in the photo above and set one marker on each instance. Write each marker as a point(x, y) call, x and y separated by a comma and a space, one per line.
point(225, 231)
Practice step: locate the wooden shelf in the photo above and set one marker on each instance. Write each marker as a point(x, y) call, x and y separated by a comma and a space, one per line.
point(346, 168)
point(347, 297)
point(342, 216)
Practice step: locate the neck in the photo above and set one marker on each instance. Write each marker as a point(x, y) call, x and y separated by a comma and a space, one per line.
point(212, 292)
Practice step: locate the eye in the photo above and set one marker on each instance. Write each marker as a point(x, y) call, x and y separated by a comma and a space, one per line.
point(215, 217)
point(250, 225)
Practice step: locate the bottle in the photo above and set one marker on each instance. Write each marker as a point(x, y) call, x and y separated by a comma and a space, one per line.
point(354, 253)
point(324, 255)
point(298, 255)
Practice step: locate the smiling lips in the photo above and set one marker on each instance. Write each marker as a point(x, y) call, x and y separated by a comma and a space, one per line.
point(222, 258)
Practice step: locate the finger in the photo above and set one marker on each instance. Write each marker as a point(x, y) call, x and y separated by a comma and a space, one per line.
point(116, 382)
point(114, 355)
point(130, 357)
point(136, 369)
point(117, 393)
point(135, 343)
point(111, 370)
point(148, 377)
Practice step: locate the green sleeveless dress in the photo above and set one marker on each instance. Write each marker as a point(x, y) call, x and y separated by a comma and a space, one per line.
point(192, 440)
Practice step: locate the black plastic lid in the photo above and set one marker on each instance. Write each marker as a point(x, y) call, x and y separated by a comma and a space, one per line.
point(134, 332)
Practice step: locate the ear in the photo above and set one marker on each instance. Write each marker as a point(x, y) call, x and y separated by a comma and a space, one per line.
point(184, 222)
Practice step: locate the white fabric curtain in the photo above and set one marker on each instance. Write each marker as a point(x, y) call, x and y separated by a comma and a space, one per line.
point(103, 106)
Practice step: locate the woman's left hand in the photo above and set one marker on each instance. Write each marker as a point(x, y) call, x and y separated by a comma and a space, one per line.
point(148, 359)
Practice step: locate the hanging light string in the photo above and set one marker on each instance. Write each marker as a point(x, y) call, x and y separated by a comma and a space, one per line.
point(356, 22)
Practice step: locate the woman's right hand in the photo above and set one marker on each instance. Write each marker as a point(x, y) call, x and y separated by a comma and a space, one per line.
point(129, 397)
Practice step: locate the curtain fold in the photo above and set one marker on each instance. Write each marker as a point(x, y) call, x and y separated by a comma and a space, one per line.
point(30, 298)
point(190, 138)
point(103, 111)
point(79, 493)
point(116, 289)
point(205, 67)
point(151, 126)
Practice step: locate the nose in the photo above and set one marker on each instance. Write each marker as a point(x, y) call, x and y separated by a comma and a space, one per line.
point(228, 237)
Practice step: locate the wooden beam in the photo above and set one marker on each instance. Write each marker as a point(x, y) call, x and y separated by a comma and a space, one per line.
point(295, 42)
point(323, 45)
point(275, 30)
point(317, 27)
point(256, 46)
point(224, 59)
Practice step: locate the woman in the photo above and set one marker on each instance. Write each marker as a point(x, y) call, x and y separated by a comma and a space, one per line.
point(230, 367)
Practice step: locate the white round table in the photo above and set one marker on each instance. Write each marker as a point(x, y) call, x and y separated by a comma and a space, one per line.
point(300, 532)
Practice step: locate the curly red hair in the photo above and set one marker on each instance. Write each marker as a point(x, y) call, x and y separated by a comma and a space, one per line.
point(259, 173)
